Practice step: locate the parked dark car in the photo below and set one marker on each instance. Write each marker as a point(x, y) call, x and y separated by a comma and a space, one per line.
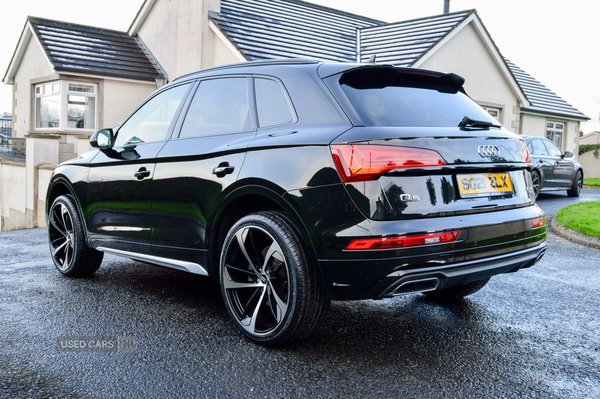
point(297, 182)
point(552, 169)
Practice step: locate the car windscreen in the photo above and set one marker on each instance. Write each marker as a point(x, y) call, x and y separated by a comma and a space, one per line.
point(390, 97)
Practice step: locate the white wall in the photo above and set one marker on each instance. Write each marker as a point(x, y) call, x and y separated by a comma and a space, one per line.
point(535, 125)
point(120, 99)
point(33, 65)
point(591, 138)
point(590, 164)
point(465, 54)
point(178, 35)
point(13, 197)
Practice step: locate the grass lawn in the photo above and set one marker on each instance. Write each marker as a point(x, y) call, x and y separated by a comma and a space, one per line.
point(583, 217)
point(592, 181)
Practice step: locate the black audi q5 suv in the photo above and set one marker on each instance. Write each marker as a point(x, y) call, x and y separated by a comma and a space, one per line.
point(297, 182)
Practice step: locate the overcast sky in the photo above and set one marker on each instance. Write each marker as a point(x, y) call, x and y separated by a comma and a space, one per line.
point(556, 42)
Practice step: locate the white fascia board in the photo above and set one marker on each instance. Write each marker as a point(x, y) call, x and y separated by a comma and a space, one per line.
point(492, 49)
point(140, 17)
point(550, 114)
point(27, 34)
point(226, 41)
point(67, 74)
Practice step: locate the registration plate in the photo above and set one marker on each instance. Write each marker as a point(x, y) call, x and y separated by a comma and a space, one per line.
point(484, 184)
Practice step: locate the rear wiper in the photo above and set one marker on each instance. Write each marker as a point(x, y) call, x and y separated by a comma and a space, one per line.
point(471, 124)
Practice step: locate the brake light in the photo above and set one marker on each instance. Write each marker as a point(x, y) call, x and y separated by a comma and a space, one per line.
point(538, 222)
point(525, 154)
point(367, 162)
point(402, 242)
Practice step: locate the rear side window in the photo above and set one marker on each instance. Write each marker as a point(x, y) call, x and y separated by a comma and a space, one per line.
point(537, 148)
point(272, 103)
point(219, 106)
point(387, 97)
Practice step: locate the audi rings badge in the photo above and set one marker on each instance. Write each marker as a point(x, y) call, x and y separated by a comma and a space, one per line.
point(488, 151)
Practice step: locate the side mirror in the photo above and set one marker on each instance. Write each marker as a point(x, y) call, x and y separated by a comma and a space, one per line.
point(102, 139)
point(567, 154)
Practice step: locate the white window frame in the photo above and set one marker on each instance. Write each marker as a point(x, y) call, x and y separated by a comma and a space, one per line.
point(497, 110)
point(63, 94)
point(552, 128)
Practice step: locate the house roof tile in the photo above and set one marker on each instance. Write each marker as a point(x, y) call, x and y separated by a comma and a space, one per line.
point(290, 28)
point(403, 43)
point(541, 98)
point(91, 50)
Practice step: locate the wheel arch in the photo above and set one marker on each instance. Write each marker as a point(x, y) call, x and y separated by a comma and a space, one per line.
point(246, 200)
point(539, 172)
point(60, 185)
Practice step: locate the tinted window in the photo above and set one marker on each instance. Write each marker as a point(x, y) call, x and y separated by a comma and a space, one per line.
point(151, 122)
point(537, 147)
point(219, 106)
point(552, 149)
point(271, 103)
point(386, 97)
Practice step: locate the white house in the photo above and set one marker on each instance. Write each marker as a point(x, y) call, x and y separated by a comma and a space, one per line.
point(69, 80)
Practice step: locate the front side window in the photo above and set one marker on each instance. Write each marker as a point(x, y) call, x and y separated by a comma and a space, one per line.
point(552, 149)
point(219, 106)
point(65, 105)
point(152, 121)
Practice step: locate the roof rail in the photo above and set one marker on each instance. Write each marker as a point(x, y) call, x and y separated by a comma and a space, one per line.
point(276, 61)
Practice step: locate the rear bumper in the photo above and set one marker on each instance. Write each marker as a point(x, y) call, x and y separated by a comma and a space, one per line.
point(490, 242)
point(411, 280)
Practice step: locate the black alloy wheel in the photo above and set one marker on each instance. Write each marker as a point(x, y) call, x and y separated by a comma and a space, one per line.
point(575, 190)
point(70, 253)
point(536, 181)
point(267, 283)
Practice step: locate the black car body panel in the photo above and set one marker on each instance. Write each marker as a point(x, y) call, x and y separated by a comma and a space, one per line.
point(173, 200)
point(557, 171)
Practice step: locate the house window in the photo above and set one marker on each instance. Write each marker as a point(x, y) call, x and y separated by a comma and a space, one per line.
point(64, 105)
point(495, 112)
point(555, 132)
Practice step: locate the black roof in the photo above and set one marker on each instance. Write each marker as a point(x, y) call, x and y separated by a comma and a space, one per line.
point(86, 49)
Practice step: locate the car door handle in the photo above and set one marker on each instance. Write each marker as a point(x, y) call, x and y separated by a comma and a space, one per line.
point(142, 173)
point(223, 169)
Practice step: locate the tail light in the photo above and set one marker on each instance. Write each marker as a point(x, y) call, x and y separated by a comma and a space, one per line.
point(525, 155)
point(364, 162)
point(539, 222)
point(402, 242)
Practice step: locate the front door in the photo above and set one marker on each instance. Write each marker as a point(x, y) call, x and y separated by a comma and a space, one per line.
point(118, 210)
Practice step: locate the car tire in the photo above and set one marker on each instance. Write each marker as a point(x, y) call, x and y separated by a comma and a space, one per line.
point(457, 291)
point(268, 284)
point(537, 183)
point(70, 253)
point(575, 190)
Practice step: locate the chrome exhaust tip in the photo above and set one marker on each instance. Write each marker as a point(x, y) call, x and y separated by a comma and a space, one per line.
point(416, 286)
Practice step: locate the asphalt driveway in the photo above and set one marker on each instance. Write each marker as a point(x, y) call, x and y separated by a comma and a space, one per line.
point(532, 334)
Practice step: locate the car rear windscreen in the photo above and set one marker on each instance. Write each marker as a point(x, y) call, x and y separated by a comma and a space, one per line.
point(389, 97)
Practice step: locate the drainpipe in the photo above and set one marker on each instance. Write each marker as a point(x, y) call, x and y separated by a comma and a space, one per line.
point(446, 6)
